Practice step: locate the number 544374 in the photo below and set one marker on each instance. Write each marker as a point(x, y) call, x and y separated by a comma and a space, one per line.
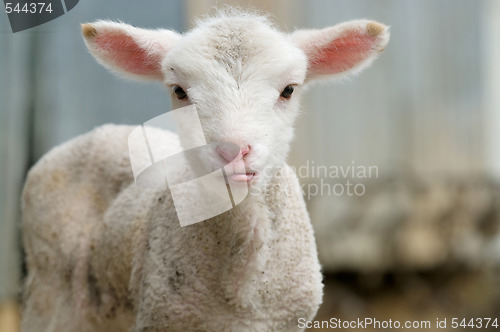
point(474, 323)
point(31, 8)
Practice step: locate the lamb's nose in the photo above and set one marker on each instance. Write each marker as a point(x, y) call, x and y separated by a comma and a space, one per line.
point(231, 152)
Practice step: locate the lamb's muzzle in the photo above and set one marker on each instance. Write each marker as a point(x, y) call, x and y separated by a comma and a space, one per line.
point(238, 171)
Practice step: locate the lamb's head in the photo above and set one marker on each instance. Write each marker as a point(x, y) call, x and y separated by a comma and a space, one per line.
point(244, 76)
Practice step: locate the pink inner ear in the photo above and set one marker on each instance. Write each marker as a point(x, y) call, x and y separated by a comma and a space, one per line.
point(341, 53)
point(124, 52)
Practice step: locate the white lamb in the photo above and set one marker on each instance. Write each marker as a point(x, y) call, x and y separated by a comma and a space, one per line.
point(104, 254)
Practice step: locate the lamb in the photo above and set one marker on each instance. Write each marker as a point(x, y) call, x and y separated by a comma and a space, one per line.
point(105, 254)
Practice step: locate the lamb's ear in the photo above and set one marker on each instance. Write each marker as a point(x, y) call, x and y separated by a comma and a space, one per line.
point(129, 51)
point(341, 49)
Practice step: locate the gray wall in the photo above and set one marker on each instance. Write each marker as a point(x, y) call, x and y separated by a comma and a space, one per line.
point(419, 108)
point(426, 114)
point(491, 73)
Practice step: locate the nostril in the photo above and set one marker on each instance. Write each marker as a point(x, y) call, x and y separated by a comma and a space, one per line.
point(245, 150)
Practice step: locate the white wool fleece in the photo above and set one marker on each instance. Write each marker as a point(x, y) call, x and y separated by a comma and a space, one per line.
point(104, 254)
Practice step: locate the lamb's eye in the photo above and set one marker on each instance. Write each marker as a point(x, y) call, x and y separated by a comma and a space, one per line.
point(179, 92)
point(287, 92)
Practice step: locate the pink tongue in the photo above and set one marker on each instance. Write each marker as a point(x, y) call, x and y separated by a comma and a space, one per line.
point(241, 177)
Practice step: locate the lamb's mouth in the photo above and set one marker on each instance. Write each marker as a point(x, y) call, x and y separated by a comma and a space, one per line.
point(242, 177)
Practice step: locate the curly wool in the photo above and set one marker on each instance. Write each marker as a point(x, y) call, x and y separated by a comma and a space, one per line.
point(109, 255)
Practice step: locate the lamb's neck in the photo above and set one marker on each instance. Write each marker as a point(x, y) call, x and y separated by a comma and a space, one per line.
point(246, 226)
point(243, 235)
point(250, 224)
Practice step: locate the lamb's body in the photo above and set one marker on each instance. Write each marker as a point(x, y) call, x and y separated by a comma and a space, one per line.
point(108, 255)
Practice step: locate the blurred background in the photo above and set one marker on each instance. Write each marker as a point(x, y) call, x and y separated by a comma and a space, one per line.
point(422, 241)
